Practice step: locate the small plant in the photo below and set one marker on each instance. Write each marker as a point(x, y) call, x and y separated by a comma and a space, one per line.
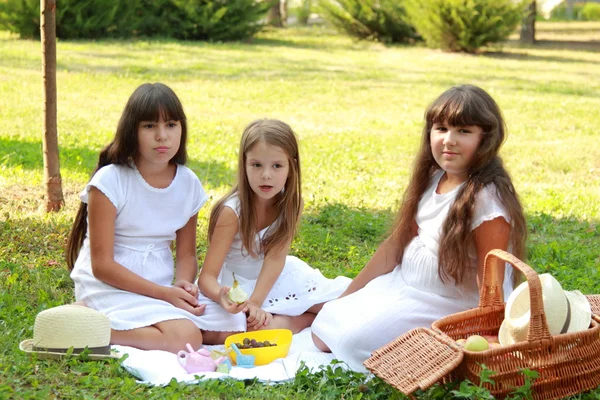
point(379, 20)
point(464, 25)
point(591, 12)
point(468, 390)
point(524, 392)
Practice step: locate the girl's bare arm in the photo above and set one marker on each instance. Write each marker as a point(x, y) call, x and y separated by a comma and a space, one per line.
point(225, 230)
point(493, 234)
point(272, 266)
point(101, 217)
point(383, 261)
point(186, 260)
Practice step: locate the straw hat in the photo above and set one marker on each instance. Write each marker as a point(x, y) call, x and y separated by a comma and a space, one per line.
point(565, 311)
point(60, 328)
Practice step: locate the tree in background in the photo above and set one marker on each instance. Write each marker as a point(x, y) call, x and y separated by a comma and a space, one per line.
point(54, 194)
point(278, 14)
point(528, 24)
point(304, 12)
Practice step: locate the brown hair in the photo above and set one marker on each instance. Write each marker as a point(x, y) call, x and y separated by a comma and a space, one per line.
point(462, 106)
point(149, 102)
point(288, 203)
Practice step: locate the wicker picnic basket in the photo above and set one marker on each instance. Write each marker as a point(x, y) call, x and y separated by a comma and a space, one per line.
point(594, 300)
point(567, 364)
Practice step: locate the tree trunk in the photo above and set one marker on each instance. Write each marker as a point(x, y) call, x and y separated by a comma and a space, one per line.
point(278, 14)
point(305, 14)
point(570, 9)
point(54, 194)
point(528, 24)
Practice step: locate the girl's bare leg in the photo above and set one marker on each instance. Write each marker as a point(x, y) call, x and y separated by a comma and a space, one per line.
point(212, 337)
point(167, 335)
point(320, 344)
point(295, 324)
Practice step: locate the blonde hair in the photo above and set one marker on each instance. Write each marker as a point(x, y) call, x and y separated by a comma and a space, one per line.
point(288, 203)
point(461, 106)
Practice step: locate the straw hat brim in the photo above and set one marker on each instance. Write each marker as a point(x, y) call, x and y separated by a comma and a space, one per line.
point(27, 347)
point(581, 318)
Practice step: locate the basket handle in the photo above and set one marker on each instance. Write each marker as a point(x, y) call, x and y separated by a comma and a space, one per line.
point(490, 292)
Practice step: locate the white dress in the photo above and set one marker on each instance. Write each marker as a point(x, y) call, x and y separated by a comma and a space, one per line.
point(298, 288)
point(145, 225)
point(412, 295)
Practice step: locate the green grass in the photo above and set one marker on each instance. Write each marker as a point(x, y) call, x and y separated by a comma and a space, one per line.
point(357, 108)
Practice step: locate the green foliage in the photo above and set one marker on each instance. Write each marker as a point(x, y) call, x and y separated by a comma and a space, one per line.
point(91, 19)
point(216, 20)
point(464, 25)
point(380, 20)
point(21, 16)
point(591, 12)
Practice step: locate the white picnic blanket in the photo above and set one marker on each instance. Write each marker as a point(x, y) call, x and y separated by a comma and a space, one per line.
point(158, 367)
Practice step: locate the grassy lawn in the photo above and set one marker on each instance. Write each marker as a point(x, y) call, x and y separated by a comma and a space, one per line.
point(357, 109)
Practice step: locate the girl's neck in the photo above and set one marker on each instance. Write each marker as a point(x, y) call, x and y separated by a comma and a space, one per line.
point(449, 182)
point(159, 176)
point(265, 211)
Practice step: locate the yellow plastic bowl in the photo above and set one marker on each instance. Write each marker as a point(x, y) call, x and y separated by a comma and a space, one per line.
point(262, 355)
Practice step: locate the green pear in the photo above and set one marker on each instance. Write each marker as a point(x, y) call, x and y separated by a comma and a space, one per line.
point(236, 293)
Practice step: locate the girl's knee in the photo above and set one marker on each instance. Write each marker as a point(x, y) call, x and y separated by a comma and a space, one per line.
point(177, 333)
point(319, 344)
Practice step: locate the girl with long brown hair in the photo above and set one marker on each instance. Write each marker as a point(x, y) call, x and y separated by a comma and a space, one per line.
point(250, 232)
point(460, 204)
point(139, 200)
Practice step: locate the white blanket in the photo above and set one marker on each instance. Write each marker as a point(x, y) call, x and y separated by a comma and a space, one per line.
point(158, 367)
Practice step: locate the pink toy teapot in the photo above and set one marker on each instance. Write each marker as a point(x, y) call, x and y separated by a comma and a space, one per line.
point(197, 361)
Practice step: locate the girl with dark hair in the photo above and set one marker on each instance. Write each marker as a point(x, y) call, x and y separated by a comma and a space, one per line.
point(139, 200)
point(460, 204)
point(250, 232)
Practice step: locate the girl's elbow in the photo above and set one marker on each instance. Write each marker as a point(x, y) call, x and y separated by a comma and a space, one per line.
point(99, 269)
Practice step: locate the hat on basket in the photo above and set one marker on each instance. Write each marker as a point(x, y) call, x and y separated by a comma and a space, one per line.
point(566, 311)
point(58, 329)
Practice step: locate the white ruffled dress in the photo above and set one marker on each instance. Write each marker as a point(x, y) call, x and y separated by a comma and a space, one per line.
point(145, 226)
point(298, 288)
point(412, 295)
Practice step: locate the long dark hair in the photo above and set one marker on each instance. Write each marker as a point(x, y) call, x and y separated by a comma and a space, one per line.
point(462, 106)
point(149, 102)
point(289, 203)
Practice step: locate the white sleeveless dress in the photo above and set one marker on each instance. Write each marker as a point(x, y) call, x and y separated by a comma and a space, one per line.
point(298, 288)
point(145, 225)
point(412, 295)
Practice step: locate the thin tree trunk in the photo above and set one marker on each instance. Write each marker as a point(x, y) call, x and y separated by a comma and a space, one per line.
point(570, 14)
point(528, 24)
point(278, 14)
point(54, 194)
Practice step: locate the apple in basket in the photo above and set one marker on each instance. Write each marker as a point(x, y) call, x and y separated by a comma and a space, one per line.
point(476, 343)
point(491, 338)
